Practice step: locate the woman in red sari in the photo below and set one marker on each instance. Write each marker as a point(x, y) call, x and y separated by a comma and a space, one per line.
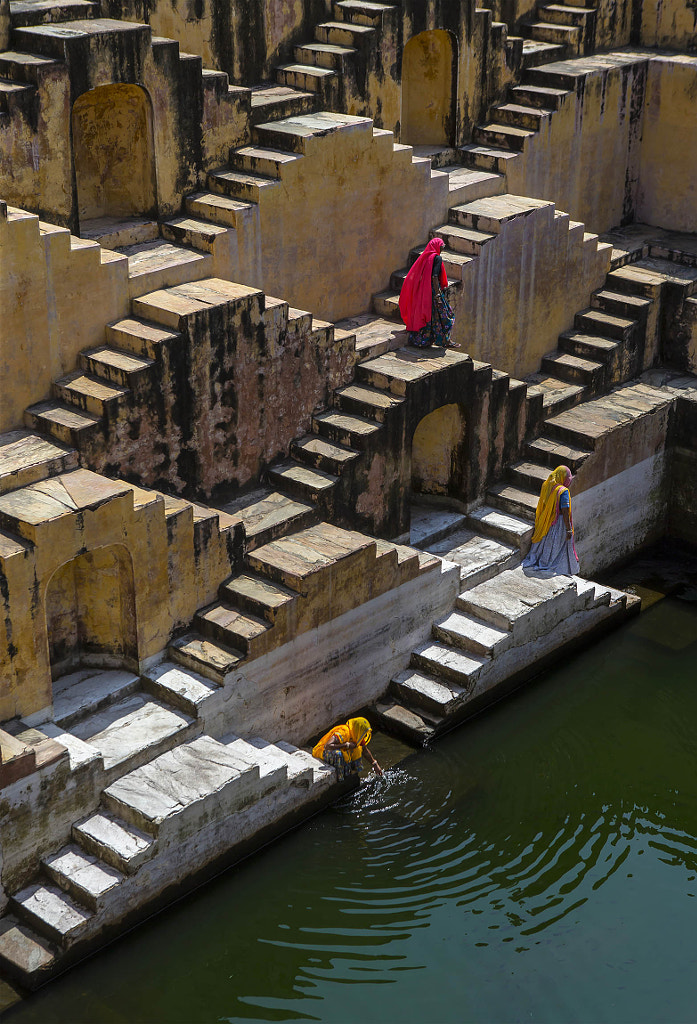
point(422, 303)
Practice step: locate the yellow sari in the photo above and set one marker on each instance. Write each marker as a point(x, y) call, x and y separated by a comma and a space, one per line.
point(356, 729)
point(548, 505)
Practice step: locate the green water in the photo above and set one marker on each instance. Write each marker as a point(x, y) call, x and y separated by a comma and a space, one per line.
point(538, 864)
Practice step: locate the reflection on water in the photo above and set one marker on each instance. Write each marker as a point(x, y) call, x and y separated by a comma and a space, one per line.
point(538, 864)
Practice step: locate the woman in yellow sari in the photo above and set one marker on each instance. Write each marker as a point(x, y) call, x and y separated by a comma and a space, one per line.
point(553, 538)
point(344, 745)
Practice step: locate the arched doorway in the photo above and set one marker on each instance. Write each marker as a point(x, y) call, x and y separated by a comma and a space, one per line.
point(90, 611)
point(429, 69)
point(438, 464)
point(114, 153)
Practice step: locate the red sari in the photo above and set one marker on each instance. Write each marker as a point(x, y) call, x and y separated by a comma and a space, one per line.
point(416, 296)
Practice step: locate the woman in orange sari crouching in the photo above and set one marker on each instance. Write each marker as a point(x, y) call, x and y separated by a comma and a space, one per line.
point(344, 745)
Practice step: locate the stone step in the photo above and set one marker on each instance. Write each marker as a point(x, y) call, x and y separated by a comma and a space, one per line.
point(479, 557)
point(529, 476)
point(241, 185)
point(343, 33)
point(43, 12)
point(582, 426)
point(517, 115)
point(386, 304)
point(413, 724)
point(322, 774)
point(259, 598)
point(233, 628)
point(116, 366)
point(486, 157)
point(363, 400)
point(591, 346)
point(553, 453)
point(300, 562)
point(262, 160)
point(453, 262)
point(465, 184)
point(180, 791)
point(132, 731)
point(273, 771)
point(51, 912)
point(471, 634)
point(181, 688)
point(490, 215)
point(356, 432)
point(267, 515)
point(62, 421)
point(563, 14)
point(574, 369)
point(304, 76)
point(83, 876)
point(502, 526)
point(26, 457)
point(557, 395)
point(273, 102)
point(420, 690)
point(636, 279)
point(114, 841)
point(513, 499)
point(361, 12)
point(87, 690)
point(502, 136)
point(218, 209)
point(569, 37)
point(140, 337)
point(527, 605)
point(25, 955)
point(595, 321)
point(14, 96)
point(630, 307)
point(319, 453)
point(26, 68)
point(213, 660)
point(300, 773)
point(116, 232)
point(90, 394)
point(302, 482)
point(429, 524)
point(449, 664)
point(191, 231)
point(462, 240)
point(324, 55)
point(539, 96)
point(160, 264)
point(536, 53)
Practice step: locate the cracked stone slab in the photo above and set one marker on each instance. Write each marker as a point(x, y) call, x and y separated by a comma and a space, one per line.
point(115, 842)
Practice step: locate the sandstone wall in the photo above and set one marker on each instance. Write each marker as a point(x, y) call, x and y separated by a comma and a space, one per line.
point(56, 294)
point(670, 24)
point(667, 193)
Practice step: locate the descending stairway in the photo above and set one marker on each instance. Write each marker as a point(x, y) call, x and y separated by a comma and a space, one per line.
point(182, 797)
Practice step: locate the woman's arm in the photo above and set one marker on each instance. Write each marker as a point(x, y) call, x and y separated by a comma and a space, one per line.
point(567, 522)
point(373, 763)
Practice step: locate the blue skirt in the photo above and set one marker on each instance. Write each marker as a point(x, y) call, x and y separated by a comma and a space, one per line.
point(437, 330)
point(554, 552)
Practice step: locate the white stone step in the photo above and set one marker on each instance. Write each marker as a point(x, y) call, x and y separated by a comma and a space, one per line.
point(180, 687)
point(80, 753)
point(114, 841)
point(83, 876)
point(527, 603)
point(448, 663)
point(591, 595)
point(421, 690)
point(479, 557)
point(24, 953)
point(431, 525)
point(272, 771)
point(85, 691)
point(299, 771)
point(52, 913)
point(132, 732)
point(502, 526)
point(178, 792)
point(470, 634)
point(322, 774)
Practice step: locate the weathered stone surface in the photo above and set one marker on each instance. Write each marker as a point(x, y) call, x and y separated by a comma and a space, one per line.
point(114, 841)
point(83, 876)
point(52, 912)
point(22, 951)
point(523, 601)
point(88, 689)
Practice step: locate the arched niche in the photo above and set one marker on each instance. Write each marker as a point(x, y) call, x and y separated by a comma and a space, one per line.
point(429, 69)
point(114, 153)
point(90, 611)
point(438, 464)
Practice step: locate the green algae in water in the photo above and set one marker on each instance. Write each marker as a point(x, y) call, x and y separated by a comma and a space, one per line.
point(538, 864)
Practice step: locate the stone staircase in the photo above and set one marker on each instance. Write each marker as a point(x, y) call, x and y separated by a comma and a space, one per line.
point(570, 26)
point(501, 631)
point(183, 798)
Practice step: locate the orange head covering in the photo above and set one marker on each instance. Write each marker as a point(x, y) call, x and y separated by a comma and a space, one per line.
point(548, 506)
point(416, 296)
point(356, 729)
